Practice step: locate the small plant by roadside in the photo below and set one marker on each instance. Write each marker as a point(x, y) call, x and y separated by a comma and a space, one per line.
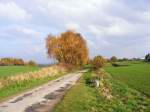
point(104, 85)
point(31, 63)
point(98, 62)
point(100, 80)
point(113, 59)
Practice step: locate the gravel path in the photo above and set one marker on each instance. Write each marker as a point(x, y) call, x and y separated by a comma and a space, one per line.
point(43, 98)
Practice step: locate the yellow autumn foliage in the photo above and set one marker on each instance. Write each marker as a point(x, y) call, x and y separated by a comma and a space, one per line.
point(70, 47)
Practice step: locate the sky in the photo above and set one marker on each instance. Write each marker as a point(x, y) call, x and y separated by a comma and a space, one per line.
point(110, 27)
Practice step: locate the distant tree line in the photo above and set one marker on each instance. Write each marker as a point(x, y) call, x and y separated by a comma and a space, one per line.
point(15, 62)
point(114, 59)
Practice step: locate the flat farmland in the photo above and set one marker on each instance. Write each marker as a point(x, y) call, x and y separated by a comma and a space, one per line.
point(135, 75)
point(6, 71)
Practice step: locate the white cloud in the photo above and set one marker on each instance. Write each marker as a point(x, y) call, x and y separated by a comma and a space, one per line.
point(111, 27)
point(72, 26)
point(27, 31)
point(145, 16)
point(11, 10)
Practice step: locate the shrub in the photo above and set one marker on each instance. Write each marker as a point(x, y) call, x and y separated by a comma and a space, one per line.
point(98, 62)
point(32, 63)
point(147, 58)
point(115, 64)
point(113, 59)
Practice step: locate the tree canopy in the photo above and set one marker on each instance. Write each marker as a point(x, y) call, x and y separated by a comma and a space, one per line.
point(69, 47)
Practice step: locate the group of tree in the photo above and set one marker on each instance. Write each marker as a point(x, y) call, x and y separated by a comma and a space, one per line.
point(115, 59)
point(69, 47)
point(15, 62)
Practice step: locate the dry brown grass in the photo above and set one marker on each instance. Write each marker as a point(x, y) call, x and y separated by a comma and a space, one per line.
point(44, 72)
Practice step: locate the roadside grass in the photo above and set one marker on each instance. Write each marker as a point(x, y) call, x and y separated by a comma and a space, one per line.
point(84, 98)
point(6, 71)
point(81, 98)
point(21, 86)
point(136, 75)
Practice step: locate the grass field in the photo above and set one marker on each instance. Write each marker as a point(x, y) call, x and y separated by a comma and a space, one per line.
point(84, 98)
point(11, 83)
point(6, 71)
point(136, 75)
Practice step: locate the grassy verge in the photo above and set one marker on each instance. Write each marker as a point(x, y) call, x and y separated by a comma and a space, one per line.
point(136, 75)
point(6, 71)
point(84, 98)
point(21, 86)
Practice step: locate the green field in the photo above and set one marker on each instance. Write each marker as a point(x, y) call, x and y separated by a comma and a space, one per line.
point(15, 87)
point(6, 71)
point(135, 75)
point(84, 98)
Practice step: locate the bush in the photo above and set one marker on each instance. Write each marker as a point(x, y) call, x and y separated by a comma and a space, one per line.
point(147, 58)
point(113, 59)
point(115, 64)
point(32, 63)
point(119, 64)
point(98, 62)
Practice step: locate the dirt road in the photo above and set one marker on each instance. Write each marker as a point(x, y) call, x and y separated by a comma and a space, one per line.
point(43, 98)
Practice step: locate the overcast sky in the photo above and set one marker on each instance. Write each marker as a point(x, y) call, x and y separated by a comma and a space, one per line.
point(111, 27)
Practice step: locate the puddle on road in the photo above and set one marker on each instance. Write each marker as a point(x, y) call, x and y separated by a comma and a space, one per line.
point(27, 94)
point(50, 100)
point(34, 107)
point(21, 98)
point(4, 106)
point(51, 96)
point(17, 100)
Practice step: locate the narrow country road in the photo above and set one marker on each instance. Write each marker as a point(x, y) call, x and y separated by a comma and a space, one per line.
point(43, 98)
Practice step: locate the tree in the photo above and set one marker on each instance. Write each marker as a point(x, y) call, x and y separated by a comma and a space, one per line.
point(113, 59)
point(147, 57)
point(32, 63)
point(98, 62)
point(18, 62)
point(70, 47)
